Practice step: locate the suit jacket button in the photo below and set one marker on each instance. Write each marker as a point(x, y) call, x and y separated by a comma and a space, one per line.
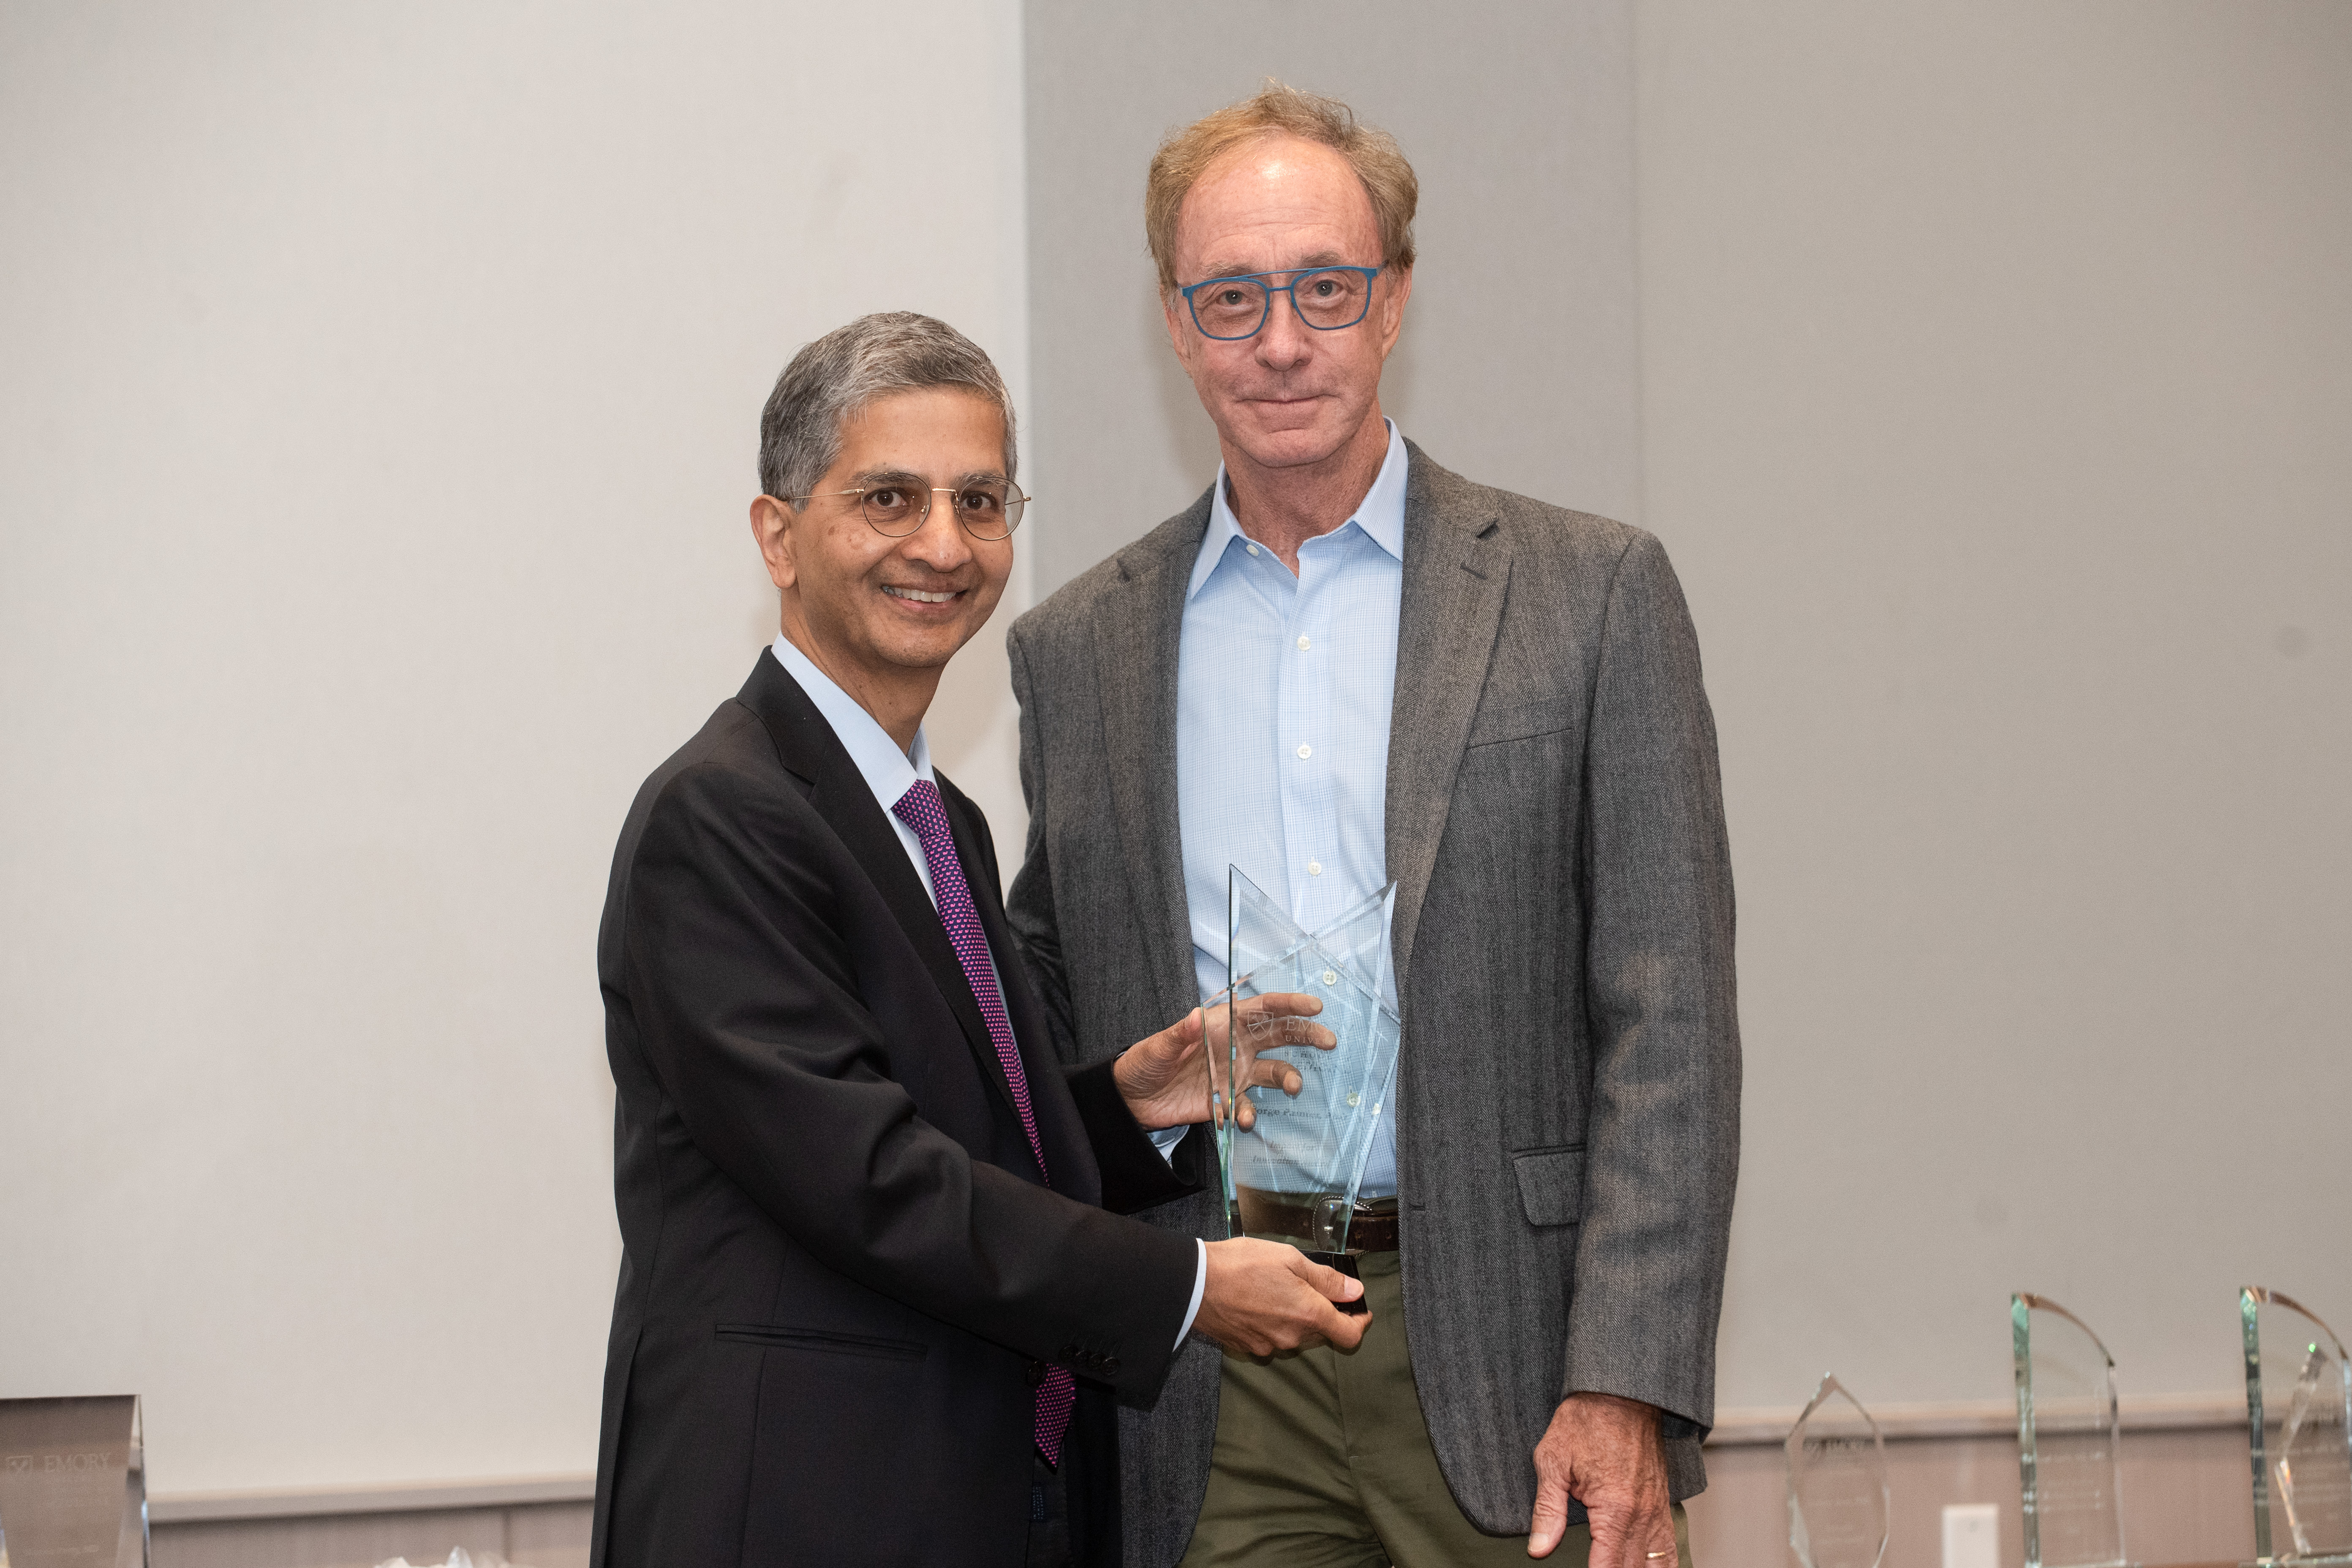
point(1036, 1373)
point(1072, 1353)
point(1111, 1366)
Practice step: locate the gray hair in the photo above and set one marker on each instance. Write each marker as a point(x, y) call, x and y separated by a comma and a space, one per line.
point(831, 380)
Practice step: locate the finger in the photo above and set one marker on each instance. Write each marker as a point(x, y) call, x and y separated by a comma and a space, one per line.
point(1609, 1540)
point(1276, 1005)
point(1273, 1072)
point(1662, 1551)
point(1550, 1520)
point(1345, 1330)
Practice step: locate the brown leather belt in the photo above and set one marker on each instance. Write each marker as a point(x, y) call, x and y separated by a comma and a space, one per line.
point(1372, 1227)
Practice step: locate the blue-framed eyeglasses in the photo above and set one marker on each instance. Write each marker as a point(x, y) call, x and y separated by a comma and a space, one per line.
point(1326, 298)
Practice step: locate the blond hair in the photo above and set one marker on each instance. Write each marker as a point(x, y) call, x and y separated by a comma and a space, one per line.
point(1278, 109)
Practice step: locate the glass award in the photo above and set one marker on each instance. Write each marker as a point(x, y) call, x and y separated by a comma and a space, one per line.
point(2067, 1450)
point(1838, 1499)
point(2299, 1426)
point(73, 1483)
point(1295, 1172)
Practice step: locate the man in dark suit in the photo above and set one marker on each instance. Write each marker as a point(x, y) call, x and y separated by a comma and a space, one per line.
point(1344, 665)
point(870, 1310)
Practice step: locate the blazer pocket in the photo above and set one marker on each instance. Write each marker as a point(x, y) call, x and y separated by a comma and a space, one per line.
point(1551, 1184)
point(1522, 721)
point(772, 1336)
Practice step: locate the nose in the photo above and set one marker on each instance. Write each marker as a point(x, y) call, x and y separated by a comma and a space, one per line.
point(1282, 343)
point(940, 544)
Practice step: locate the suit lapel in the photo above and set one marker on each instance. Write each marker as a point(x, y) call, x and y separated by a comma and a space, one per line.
point(1457, 569)
point(1136, 634)
point(807, 746)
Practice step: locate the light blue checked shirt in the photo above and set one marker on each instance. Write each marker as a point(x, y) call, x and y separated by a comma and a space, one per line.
point(1282, 690)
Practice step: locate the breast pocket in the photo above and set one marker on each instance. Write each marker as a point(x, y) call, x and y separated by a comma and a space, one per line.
point(1523, 720)
point(1551, 1184)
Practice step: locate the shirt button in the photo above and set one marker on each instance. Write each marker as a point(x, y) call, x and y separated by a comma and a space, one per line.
point(1250, 548)
point(1305, 753)
point(1314, 868)
point(1302, 645)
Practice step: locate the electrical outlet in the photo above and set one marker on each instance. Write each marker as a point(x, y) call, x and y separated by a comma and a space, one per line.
point(1971, 1535)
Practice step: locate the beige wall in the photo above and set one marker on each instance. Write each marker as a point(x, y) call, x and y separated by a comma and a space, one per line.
point(1996, 368)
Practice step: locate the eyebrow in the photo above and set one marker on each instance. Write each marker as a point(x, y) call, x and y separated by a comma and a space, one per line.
point(877, 477)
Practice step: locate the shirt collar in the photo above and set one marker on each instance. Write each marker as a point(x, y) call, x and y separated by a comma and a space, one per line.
point(888, 771)
point(1381, 515)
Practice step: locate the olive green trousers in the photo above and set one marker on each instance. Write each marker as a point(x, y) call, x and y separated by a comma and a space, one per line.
point(1323, 1461)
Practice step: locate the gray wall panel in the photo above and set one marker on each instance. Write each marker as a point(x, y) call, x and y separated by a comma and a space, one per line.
point(1520, 123)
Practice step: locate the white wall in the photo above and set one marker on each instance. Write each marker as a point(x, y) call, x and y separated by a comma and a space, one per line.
point(1998, 371)
point(378, 401)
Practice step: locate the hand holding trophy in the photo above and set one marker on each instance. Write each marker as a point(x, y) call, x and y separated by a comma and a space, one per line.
point(1176, 1076)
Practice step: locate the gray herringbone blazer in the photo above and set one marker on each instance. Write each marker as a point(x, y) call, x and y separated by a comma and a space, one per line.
point(1568, 1116)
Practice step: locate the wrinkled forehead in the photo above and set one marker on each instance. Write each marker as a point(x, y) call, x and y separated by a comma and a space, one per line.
point(1274, 201)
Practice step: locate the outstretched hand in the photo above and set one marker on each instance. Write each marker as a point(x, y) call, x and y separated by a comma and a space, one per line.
point(1165, 1079)
point(1603, 1451)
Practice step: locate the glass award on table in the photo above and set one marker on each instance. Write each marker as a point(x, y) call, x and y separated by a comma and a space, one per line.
point(1838, 1501)
point(1295, 1172)
point(2299, 1426)
point(2068, 1458)
point(73, 1483)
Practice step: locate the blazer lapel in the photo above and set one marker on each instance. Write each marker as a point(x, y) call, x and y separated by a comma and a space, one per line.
point(1457, 569)
point(1136, 636)
point(806, 744)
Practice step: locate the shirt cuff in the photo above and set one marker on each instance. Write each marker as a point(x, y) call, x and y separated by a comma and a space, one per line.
point(1165, 1139)
point(1200, 1284)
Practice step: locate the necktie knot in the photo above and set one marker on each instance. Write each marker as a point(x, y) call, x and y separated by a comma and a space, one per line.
point(921, 809)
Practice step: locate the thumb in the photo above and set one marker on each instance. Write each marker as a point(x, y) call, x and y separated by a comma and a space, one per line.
point(1552, 1518)
point(1328, 1282)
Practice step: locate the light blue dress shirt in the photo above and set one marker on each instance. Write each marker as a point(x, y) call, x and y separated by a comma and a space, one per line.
point(1282, 690)
point(891, 772)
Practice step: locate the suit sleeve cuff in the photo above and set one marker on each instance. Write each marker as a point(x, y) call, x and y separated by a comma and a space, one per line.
point(1136, 1175)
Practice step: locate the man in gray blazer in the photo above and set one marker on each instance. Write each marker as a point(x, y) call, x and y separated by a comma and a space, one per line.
point(1346, 665)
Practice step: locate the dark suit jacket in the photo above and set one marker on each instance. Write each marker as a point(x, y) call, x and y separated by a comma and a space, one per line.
point(840, 1274)
point(1568, 1108)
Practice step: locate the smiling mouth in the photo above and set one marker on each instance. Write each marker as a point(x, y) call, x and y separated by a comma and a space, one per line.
point(917, 595)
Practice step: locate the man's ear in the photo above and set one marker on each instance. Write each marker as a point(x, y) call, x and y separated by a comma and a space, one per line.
point(1393, 308)
point(772, 527)
point(1175, 316)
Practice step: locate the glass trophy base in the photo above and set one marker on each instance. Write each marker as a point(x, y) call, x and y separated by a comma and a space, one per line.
point(2316, 1559)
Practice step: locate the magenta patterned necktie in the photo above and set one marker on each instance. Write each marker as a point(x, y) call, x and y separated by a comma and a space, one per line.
point(921, 809)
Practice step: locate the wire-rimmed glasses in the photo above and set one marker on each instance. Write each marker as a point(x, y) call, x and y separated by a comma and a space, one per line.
point(896, 506)
point(1326, 298)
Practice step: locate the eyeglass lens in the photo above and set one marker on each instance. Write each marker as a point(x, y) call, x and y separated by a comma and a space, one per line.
point(1236, 307)
point(988, 509)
